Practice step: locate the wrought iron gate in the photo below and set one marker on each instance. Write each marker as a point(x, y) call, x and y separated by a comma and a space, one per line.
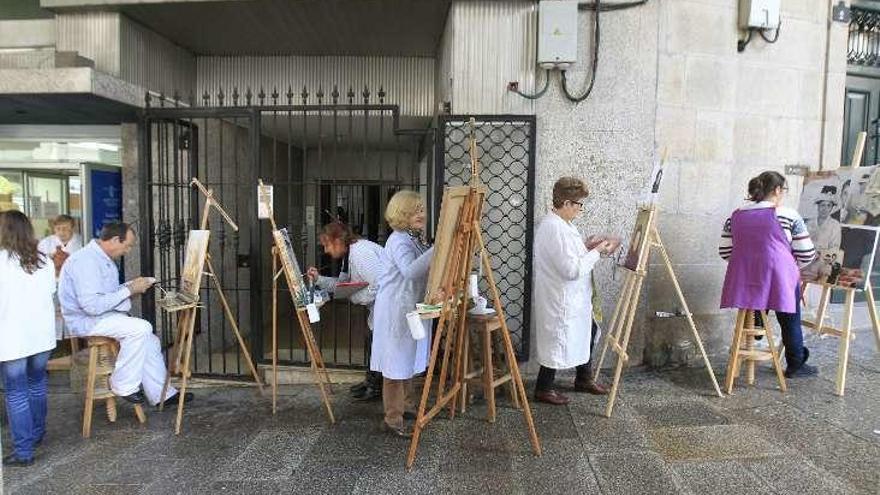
point(328, 156)
point(506, 145)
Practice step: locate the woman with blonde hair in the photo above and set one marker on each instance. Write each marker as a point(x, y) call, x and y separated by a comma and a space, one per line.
point(405, 261)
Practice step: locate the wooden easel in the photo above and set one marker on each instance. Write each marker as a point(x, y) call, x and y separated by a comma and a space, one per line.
point(279, 268)
point(622, 319)
point(452, 326)
point(844, 333)
point(186, 321)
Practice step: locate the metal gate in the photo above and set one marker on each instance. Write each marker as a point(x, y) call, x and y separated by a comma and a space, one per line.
point(506, 145)
point(329, 156)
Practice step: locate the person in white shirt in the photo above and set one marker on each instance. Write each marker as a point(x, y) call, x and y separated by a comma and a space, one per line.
point(58, 247)
point(27, 333)
point(62, 243)
point(563, 293)
point(94, 304)
point(360, 263)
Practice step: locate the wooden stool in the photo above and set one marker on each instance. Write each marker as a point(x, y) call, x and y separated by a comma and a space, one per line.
point(743, 349)
point(484, 326)
point(102, 357)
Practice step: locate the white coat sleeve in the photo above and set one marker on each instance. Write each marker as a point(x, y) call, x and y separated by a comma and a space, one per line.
point(366, 269)
point(411, 266)
point(567, 260)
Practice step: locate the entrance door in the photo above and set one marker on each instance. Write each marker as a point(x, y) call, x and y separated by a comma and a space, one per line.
point(861, 113)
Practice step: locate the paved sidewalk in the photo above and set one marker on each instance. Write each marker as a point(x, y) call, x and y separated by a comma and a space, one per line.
point(669, 435)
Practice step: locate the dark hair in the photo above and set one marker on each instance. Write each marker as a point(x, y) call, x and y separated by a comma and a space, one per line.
point(114, 229)
point(63, 219)
point(568, 189)
point(763, 185)
point(339, 230)
point(17, 237)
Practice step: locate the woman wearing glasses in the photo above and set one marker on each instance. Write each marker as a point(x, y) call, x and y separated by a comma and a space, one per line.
point(563, 291)
point(765, 243)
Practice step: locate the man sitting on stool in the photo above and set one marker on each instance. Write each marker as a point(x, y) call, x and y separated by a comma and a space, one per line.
point(95, 304)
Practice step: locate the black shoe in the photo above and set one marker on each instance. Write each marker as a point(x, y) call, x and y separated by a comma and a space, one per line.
point(358, 388)
point(12, 461)
point(172, 401)
point(369, 394)
point(801, 371)
point(135, 398)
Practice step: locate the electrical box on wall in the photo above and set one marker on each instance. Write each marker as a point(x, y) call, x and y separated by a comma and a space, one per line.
point(762, 14)
point(557, 33)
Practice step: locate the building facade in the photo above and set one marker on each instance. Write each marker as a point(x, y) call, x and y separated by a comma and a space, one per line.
point(339, 103)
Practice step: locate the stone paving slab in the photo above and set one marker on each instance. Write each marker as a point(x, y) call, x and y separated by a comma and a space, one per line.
point(669, 434)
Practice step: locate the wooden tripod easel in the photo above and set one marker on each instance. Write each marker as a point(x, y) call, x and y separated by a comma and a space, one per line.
point(624, 313)
point(282, 266)
point(452, 327)
point(186, 321)
point(844, 333)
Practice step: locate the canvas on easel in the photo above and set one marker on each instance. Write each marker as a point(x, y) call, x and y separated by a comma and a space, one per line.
point(196, 264)
point(284, 263)
point(460, 240)
point(450, 211)
point(645, 238)
point(846, 245)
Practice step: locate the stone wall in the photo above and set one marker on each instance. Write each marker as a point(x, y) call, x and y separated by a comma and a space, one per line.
point(724, 117)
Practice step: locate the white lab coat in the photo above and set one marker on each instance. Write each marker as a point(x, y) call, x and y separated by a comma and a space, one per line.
point(27, 315)
point(49, 243)
point(395, 353)
point(364, 265)
point(562, 296)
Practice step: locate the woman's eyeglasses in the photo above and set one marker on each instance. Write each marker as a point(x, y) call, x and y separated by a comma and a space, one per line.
point(578, 203)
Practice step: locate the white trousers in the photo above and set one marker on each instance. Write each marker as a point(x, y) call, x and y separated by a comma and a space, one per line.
point(140, 361)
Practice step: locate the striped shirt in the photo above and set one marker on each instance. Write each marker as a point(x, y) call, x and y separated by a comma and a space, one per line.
point(793, 226)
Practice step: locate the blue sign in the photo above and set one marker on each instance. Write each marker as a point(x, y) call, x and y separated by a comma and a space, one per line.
point(106, 198)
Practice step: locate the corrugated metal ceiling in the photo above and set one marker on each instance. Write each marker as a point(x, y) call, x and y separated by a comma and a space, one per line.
point(304, 27)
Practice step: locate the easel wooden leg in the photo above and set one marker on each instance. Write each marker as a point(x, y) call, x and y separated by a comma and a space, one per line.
point(622, 357)
point(614, 327)
point(774, 353)
point(317, 364)
point(730, 376)
point(174, 367)
point(872, 312)
point(234, 324)
point(421, 419)
point(687, 311)
point(274, 332)
point(188, 341)
point(508, 346)
point(844, 344)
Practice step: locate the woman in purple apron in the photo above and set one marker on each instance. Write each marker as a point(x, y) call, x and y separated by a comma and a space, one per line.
point(765, 243)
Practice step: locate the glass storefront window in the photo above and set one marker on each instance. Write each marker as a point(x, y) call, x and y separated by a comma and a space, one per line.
point(47, 198)
point(11, 190)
